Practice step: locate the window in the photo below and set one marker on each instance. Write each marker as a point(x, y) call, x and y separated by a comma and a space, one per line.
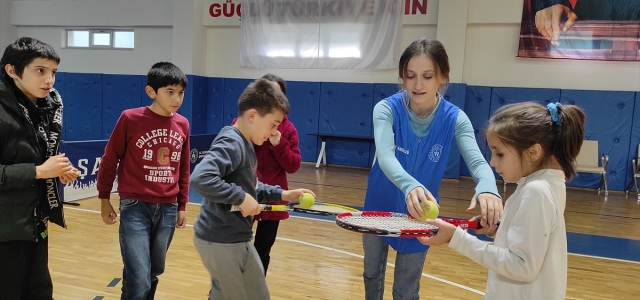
point(77, 38)
point(100, 39)
point(123, 39)
point(321, 34)
point(312, 41)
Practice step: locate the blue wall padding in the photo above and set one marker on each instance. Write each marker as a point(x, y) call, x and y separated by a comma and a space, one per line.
point(501, 96)
point(476, 106)
point(456, 95)
point(233, 88)
point(93, 103)
point(609, 121)
point(60, 85)
point(215, 105)
point(83, 117)
point(346, 108)
point(380, 91)
point(186, 109)
point(304, 98)
point(144, 98)
point(199, 86)
point(635, 139)
point(119, 92)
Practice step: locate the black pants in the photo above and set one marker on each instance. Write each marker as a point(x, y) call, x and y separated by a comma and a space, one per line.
point(24, 271)
point(266, 232)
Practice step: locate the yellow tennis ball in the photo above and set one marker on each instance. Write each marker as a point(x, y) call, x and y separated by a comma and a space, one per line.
point(307, 200)
point(429, 213)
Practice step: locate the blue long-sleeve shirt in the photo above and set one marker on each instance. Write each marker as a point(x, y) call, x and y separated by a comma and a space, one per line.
point(465, 139)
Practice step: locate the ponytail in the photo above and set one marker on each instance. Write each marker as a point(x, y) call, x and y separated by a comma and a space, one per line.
point(569, 137)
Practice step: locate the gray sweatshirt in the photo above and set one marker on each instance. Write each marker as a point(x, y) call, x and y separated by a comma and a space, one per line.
point(222, 178)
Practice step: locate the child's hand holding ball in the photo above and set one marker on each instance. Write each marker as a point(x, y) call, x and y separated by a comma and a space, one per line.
point(307, 200)
point(304, 196)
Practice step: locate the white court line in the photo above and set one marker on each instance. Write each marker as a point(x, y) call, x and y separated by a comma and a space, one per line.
point(574, 254)
point(388, 264)
point(314, 219)
point(335, 250)
point(606, 258)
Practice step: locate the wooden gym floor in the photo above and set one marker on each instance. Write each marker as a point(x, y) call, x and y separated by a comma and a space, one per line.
point(315, 259)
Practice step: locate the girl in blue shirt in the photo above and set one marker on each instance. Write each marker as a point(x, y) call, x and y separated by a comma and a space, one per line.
point(412, 158)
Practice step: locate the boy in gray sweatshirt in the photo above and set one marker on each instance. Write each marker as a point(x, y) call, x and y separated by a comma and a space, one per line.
point(226, 176)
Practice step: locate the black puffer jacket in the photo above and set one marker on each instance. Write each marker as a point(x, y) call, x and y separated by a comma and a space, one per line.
point(22, 197)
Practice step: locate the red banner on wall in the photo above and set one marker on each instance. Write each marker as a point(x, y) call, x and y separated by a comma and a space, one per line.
point(229, 12)
point(581, 29)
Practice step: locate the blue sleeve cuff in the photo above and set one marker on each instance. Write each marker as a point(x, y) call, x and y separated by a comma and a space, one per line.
point(487, 186)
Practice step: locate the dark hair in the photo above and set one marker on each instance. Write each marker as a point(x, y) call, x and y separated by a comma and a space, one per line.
point(522, 125)
point(264, 97)
point(277, 79)
point(435, 51)
point(22, 52)
point(163, 74)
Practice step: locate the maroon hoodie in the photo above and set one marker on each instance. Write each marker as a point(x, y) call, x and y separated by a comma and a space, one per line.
point(274, 162)
point(150, 155)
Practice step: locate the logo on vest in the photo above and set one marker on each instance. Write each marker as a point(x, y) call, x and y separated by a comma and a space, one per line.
point(403, 150)
point(435, 153)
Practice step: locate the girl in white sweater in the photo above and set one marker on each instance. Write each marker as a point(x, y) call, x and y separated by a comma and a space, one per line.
point(534, 146)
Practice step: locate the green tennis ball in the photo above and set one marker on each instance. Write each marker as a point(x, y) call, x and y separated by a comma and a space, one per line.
point(307, 200)
point(429, 213)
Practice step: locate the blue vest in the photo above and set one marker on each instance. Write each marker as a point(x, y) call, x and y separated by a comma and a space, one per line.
point(424, 158)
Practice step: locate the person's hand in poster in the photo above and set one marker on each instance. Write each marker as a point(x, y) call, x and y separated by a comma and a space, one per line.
point(548, 22)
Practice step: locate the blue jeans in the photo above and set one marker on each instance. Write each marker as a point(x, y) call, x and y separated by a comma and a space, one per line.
point(146, 230)
point(407, 274)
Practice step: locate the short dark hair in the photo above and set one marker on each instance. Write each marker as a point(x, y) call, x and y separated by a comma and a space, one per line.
point(163, 74)
point(263, 96)
point(22, 52)
point(435, 51)
point(277, 79)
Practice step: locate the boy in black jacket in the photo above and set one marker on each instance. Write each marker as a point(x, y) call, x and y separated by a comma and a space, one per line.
point(30, 167)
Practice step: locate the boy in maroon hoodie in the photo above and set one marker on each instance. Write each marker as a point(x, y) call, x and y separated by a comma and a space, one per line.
point(276, 158)
point(149, 151)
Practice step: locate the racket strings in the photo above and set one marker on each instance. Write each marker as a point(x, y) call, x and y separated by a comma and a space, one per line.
point(387, 223)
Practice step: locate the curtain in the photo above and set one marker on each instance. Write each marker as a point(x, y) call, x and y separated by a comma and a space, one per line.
point(321, 34)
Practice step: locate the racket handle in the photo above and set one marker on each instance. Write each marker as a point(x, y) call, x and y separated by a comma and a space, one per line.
point(236, 207)
point(466, 224)
point(478, 224)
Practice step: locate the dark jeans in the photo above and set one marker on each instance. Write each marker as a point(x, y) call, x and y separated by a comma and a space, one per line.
point(266, 232)
point(146, 230)
point(24, 270)
point(406, 276)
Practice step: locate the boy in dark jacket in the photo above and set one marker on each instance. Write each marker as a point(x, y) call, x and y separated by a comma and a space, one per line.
point(30, 167)
point(276, 157)
point(227, 176)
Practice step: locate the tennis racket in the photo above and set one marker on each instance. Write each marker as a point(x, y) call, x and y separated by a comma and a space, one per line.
point(393, 224)
point(318, 208)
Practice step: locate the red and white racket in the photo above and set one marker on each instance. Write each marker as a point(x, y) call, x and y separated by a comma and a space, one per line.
point(318, 208)
point(393, 224)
